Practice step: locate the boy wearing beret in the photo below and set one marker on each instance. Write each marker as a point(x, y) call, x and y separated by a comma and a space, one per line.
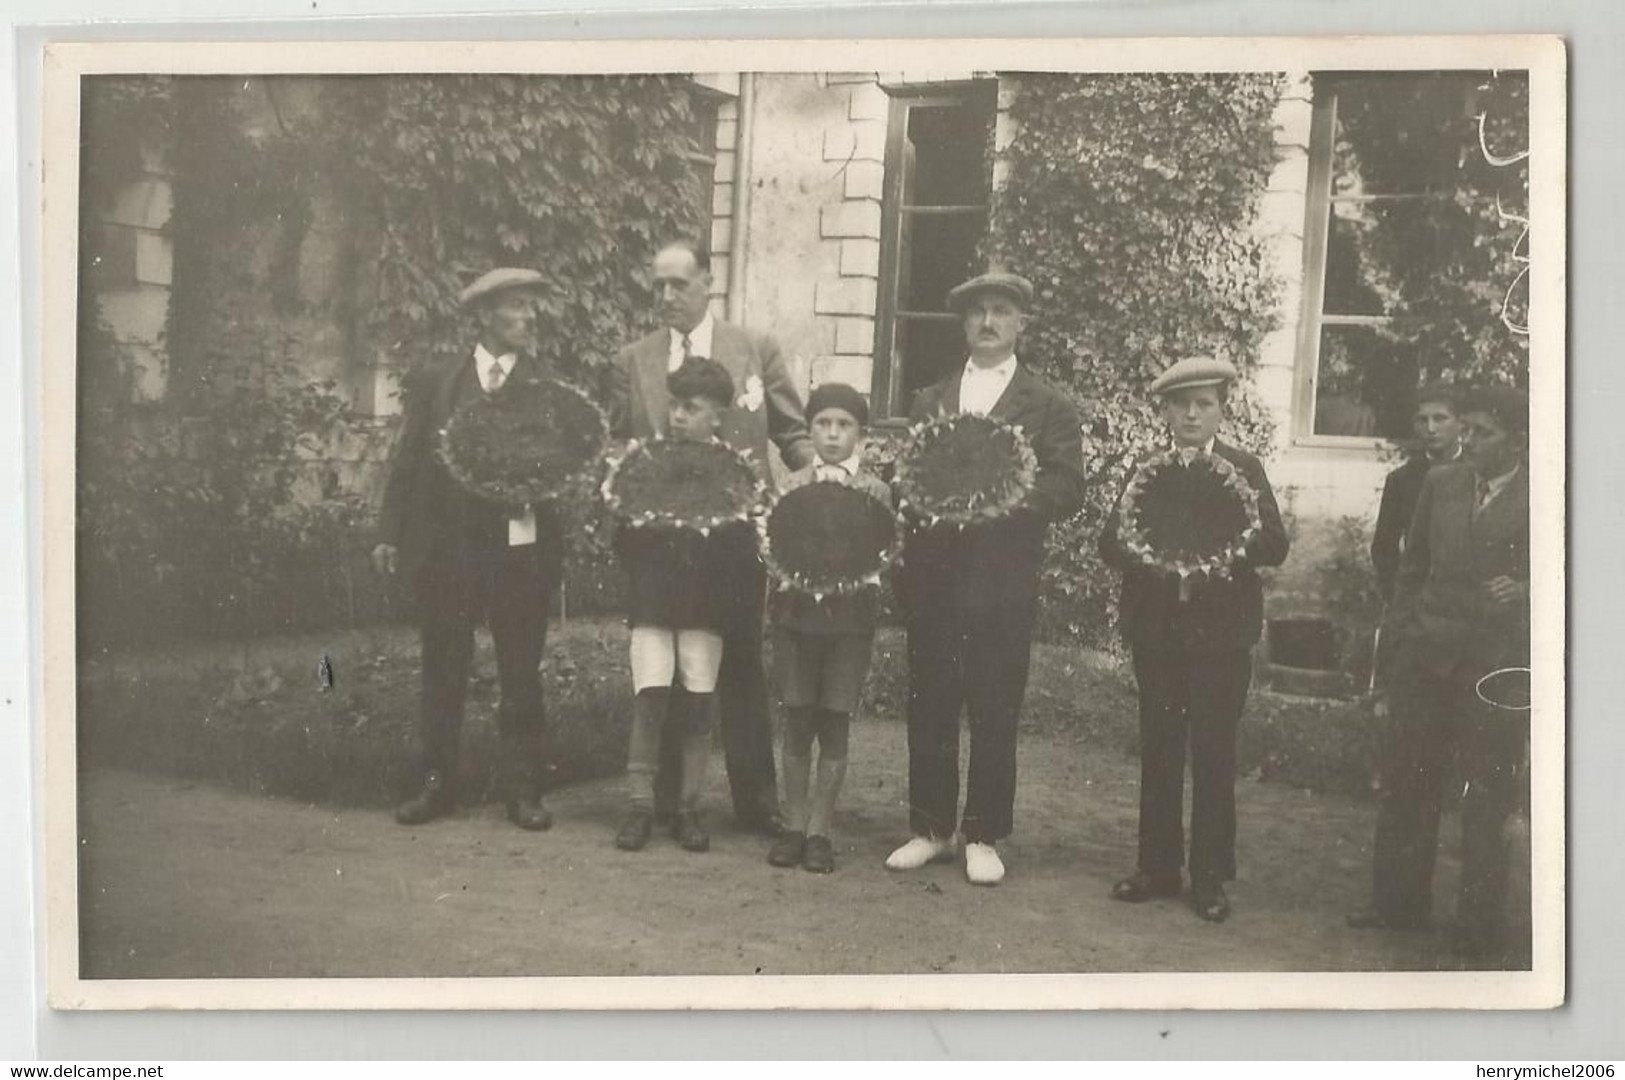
point(821, 648)
point(1192, 643)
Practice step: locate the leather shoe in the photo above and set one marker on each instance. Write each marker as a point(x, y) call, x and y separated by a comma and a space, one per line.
point(635, 831)
point(1372, 919)
point(1209, 902)
point(690, 834)
point(787, 850)
point(432, 802)
point(529, 813)
point(820, 855)
point(1142, 886)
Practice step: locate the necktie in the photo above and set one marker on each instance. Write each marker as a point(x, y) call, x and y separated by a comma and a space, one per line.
point(494, 376)
point(1483, 493)
point(688, 349)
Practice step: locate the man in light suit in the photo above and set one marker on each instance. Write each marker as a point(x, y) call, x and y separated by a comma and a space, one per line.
point(971, 595)
point(466, 559)
point(1460, 613)
point(766, 410)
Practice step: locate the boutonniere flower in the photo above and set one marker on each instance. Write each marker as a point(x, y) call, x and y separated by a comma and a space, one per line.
point(753, 396)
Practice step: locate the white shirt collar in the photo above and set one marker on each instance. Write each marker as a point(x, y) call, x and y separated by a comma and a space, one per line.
point(483, 360)
point(1190, 453)
point(699, 342)
point(851, 464)
point(1004, 369)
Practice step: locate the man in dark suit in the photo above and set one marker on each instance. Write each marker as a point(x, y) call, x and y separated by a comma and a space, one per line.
point(970, 595)
point(1191, 642)
point(767, 409)
point(1437, 424)
point(1460, 613)
point(464, 559)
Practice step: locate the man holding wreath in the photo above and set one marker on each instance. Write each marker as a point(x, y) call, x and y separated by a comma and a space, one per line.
point(970, 594)
point(1189, 532)
point(466, 558)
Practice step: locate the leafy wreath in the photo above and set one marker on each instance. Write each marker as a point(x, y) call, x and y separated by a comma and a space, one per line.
point(679, 484)
point(828, 538)
point(958, 468)
point(525, 444)
point(1199, 532)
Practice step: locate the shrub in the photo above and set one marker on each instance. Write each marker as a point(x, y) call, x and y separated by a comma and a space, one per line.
point(1130, 204)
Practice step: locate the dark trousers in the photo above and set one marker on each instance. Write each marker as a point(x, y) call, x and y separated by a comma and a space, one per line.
point(511, 590)
point(975, 660)
point(741, 699)
point(1431, 716)
point(1195, 700)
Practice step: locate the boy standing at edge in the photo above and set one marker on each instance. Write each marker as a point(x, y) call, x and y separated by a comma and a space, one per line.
point(1193, 662)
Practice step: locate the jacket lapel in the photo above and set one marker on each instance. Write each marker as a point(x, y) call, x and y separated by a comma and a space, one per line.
point(651, 354)
point(1013, 401)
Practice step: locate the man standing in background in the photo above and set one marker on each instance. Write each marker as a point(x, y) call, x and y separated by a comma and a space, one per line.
point(1460, 614)
point(1437, 424)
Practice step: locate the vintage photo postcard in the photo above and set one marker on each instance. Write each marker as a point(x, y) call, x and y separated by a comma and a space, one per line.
point(805, 524)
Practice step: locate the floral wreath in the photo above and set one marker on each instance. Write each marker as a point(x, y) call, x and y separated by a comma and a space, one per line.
point(958, 468)
point(679, 484)
point(782, 519)
point(526, 444)
point(1135, 531)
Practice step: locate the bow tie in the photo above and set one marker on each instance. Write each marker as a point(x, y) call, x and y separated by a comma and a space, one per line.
point(1189, 454)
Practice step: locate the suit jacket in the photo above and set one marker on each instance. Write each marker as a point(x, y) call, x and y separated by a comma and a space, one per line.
point(854, 613)
point(425, 513)
point(1441, 611)
point(1394, 513)
point(997, 562)
point(767, 409)
point(1222, 614)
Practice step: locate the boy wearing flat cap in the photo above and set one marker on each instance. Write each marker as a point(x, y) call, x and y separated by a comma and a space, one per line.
point(821, 648)
point(971, 595)
point(465, 559)
point(1191, 641)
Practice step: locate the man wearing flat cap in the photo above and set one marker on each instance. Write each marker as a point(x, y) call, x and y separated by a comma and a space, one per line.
point(1459, 623)
point(1191, 639)
point(466, 559)
point(971, 595)
point(766, 414)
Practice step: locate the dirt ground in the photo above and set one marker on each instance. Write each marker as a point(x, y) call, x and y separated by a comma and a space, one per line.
point(187, 880)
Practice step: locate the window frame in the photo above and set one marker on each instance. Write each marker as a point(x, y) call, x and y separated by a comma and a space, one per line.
point(979, 94)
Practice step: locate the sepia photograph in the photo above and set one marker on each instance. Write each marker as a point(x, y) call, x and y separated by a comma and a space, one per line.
point(1051, 520)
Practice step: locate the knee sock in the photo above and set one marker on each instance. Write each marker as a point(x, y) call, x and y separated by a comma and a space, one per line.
point(832, 750)
point(696, 736)
point(800, 728)
point(649, 708)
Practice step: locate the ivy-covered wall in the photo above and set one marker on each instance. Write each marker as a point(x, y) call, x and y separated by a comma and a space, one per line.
point(1131, 202)
point(321, 229)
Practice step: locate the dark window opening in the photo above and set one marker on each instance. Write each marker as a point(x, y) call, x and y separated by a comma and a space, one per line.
point(933, 222)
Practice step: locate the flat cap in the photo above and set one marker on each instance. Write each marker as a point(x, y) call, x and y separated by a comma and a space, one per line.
point(1014, 286)
point(1194, 371)
point(499, 280)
